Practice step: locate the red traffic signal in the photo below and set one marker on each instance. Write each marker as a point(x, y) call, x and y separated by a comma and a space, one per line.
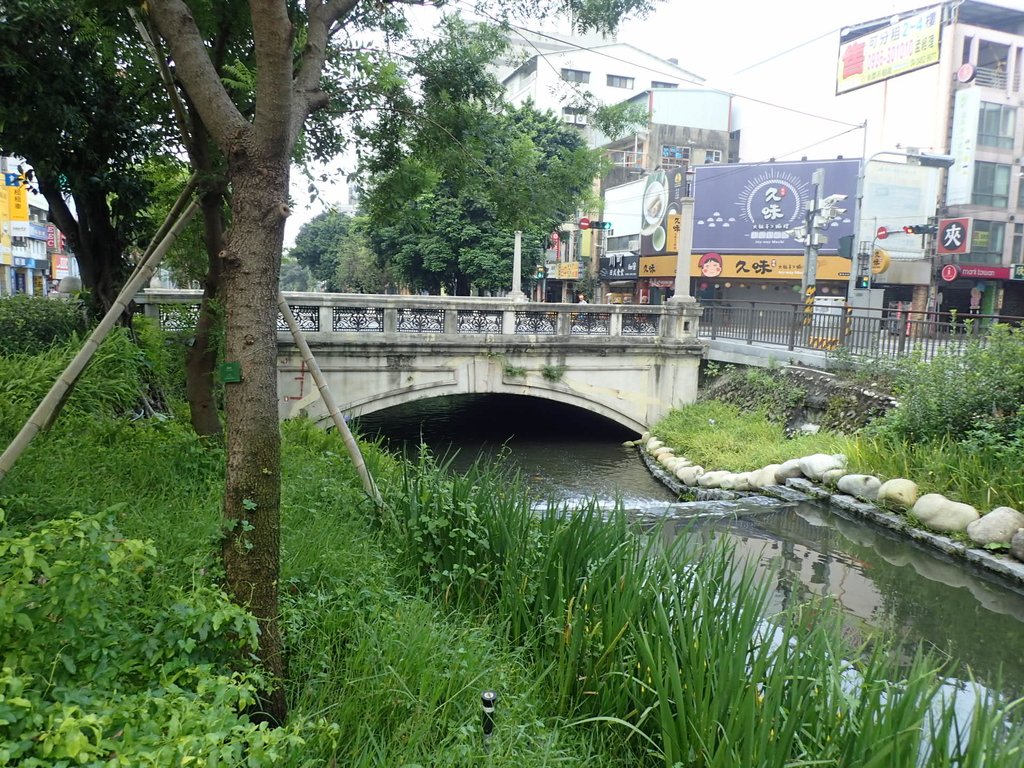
point(921, 229)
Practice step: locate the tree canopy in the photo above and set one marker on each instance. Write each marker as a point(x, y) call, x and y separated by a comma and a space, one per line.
point(463, 171)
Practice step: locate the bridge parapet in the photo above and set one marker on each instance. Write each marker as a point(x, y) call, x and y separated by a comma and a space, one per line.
point(380, 316)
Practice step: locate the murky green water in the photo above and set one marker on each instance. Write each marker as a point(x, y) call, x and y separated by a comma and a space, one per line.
point(885, 585)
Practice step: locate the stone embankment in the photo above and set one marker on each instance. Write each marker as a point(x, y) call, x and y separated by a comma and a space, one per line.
point(952, 527)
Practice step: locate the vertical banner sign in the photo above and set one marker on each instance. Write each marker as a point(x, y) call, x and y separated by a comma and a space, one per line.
point(962, 145)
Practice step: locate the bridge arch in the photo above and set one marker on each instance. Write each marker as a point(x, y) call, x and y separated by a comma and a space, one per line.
point(630, 364)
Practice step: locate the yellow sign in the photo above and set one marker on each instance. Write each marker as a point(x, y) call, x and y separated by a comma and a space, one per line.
point(672, 244)
point(895, 49)
point(879, 261)
point(761, 267)
point(658, 266)
point(568, 270)
point(17, 203)
point(6, 256)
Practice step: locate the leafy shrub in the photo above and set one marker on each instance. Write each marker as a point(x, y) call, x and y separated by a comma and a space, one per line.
point(951, 395)
point(29, 324)
point(103, 664)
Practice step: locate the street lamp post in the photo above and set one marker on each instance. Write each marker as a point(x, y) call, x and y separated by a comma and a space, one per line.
point(858, 297)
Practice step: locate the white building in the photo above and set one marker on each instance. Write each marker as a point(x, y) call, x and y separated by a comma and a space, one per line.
point(570, 81)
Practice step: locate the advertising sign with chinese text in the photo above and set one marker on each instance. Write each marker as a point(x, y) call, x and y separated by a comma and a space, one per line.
point(658, 266)
point(752, 207)
point(954, 236)
point(759, 267)
point(1017, 271)
point(568, 270)
point(619, 266)
point(895, 49)
point(659, 209)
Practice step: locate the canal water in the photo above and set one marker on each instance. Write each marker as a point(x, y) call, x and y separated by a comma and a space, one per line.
point(885, 585)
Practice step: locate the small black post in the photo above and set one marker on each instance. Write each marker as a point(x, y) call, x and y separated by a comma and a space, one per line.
point(488, 700)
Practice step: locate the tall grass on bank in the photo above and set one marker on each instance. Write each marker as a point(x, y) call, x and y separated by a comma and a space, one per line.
point(669, 645)
point(983, 476)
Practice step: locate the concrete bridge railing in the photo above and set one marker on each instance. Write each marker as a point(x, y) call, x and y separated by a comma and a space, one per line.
point(629, 363)
point(467, 317)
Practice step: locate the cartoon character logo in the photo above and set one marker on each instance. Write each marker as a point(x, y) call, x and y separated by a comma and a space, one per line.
point(710, 265)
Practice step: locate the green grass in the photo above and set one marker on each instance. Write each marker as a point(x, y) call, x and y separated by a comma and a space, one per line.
point(607, 645)
point(717, 435)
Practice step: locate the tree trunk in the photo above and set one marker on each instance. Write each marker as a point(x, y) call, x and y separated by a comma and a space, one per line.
point(201, 358)
point(250, 270)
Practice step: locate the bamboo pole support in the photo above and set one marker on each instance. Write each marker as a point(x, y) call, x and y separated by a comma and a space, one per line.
point(332, 407)
point(49, 407)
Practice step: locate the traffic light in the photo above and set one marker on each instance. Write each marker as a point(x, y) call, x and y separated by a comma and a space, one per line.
point(846, 246)
point(921, 229)
point(600, 224)
point(864, 281)
point(541, 272)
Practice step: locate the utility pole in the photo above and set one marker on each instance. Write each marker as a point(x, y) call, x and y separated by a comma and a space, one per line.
point(820, 213)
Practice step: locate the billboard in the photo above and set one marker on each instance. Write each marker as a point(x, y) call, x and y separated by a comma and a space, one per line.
point(895, 49)
point(750, 207)
point(659, 211)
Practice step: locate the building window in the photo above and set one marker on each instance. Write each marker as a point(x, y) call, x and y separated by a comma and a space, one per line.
point(987, 242)
point(1017, 255)
point(575, 76)
point(712, 156)
point(618, 81)
point(659, 84)
point(991, 185)
point(673, 156)
point(996, 125)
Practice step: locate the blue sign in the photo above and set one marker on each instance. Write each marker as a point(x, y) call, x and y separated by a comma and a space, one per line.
point(748, 207)
point(12, 180)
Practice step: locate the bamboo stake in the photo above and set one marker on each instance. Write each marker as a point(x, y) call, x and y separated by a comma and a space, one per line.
point(332, 407)
point(48, 409)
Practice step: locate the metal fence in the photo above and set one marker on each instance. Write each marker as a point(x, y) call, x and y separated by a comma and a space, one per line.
point(860, 332)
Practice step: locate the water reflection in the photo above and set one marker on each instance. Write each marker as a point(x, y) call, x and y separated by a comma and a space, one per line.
point(884, 584)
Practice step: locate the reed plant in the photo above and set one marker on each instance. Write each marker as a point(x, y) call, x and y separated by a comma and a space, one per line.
point(669, 645)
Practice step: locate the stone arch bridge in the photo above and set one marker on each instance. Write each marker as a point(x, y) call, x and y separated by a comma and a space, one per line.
point(629, 363)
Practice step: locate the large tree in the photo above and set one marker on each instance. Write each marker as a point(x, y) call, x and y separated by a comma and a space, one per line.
point(292, 47)
point(79, 110)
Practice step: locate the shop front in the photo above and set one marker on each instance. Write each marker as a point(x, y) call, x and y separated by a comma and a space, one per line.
point(619, 272)
point(756, 277)
point(972, 289)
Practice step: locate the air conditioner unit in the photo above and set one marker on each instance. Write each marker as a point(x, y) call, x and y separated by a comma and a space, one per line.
point(581, 120)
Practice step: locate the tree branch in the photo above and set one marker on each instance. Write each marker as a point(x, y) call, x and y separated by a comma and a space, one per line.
point(174, 21)
point(273, 37)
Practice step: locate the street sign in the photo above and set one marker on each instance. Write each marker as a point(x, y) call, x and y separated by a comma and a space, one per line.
point(584, 223)
point(954, 236)
point(882, 233)
point(554, 239)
